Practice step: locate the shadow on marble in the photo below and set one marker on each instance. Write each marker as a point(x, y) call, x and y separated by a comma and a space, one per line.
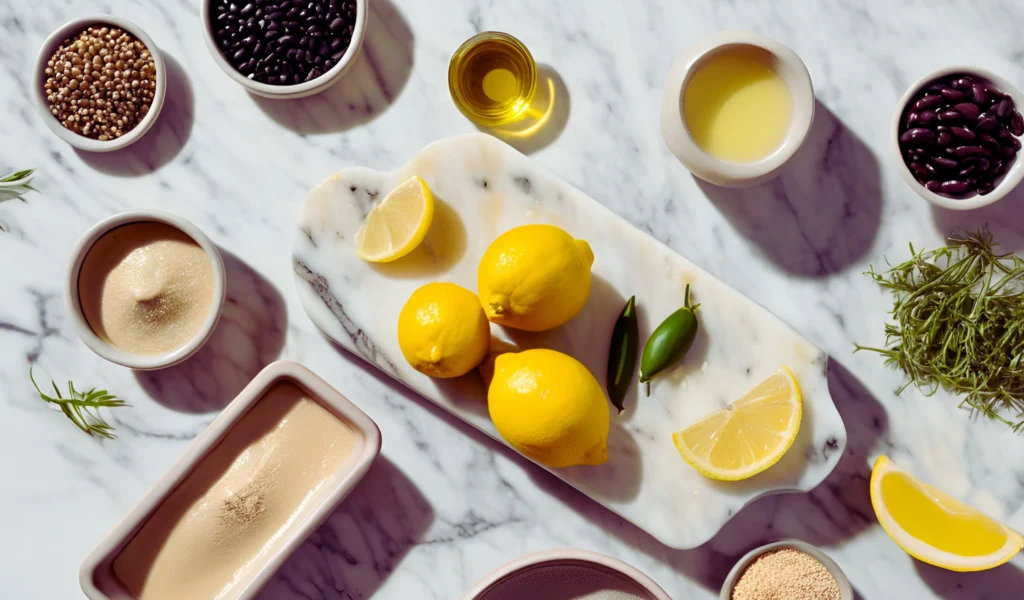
point(544, 120)
point(362, 542)
point(249, 336)
point(373, 82)
point(163, 142)
point(823, 213)
point(1005, 219)
point(1005, 582)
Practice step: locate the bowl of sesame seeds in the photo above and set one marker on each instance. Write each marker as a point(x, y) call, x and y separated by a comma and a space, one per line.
point(99, 83)
point(789, 569)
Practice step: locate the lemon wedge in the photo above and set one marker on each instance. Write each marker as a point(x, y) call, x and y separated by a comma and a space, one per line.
point(935, 528)
point(398, 224)
point(750, 435)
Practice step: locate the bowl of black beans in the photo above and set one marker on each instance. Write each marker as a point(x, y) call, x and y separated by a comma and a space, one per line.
point(957, 135)
point(284, 48)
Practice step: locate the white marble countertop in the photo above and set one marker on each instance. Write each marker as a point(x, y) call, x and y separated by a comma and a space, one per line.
point(445, 505)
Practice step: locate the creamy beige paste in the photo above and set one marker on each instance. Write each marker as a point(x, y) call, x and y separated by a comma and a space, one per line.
point(231, 514)
point(146, 288)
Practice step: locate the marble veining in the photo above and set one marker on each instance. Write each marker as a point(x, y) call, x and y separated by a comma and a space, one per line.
point(483, 187)
point(447, 504)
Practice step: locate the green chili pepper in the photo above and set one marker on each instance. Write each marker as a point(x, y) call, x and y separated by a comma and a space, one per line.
point(669, 342)
point(622, 355)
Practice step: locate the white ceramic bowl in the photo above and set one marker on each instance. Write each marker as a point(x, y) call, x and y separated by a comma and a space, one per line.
point(50, 46)
point(1005, 185)
point(109, 352)
point(714, 170)
point(568, 557)
point(845, 589)
point(96, 575)
point(298, 90)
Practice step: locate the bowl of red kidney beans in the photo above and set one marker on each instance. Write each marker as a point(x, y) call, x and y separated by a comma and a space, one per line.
point(284, 48)
point(957, 135)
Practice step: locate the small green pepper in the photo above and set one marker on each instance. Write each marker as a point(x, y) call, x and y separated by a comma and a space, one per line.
point(622, 354)
point(669, 342)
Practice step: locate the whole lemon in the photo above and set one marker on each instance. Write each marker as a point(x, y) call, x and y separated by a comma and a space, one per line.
point(534, 277)
point(442, 330)
point(548, 406)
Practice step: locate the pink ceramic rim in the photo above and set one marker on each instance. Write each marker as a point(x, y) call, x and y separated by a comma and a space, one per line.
point(563, 556)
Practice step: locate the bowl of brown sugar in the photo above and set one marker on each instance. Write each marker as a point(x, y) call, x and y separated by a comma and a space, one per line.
point(789, 569)
point(99, 83)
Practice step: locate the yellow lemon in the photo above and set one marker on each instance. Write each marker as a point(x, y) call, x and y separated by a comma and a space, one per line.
point(398, 224)
point(548, 406)
point(748, 436)
point(935, 528)
point(442, 330)
point(534, 277)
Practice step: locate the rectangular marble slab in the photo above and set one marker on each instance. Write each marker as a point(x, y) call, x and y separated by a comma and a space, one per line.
point(483, 188)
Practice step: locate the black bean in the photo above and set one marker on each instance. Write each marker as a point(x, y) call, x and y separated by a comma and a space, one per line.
point(328, 65)
point(305, 41)
point(1015, 143)
point(1008, 153)
point(934, 186)
point(276, 16)
point(951, 94)
point(247, 10)
point(945, 138)
point(950, 115)
point(954, 187)
point(963, 82)
point(324, 49)
point(966, 172)
point(337, 44)
point(985, 188)
point(309, 56)
point(286, 40)
point(282, 80)
point(313, 74)
point(946, 163)
point(240, 55)
point(233, 8)
point(963, 133)
point(968, 110)
point(919, 135)
point(292, 13)
point(337, 24)
point(989, 142)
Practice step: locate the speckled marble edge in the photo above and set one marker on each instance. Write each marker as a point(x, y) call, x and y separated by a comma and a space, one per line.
point(318, 265)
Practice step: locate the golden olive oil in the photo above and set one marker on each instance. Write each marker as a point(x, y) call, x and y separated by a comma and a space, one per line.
point(736, 106)
point(492, 78)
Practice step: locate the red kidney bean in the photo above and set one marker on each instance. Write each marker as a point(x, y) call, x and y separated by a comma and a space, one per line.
point(951, 94)
point(954, 187)
point(963, 134)
point(968, 110)
point(919, 135)
point(958, 135)
point(1004, 108)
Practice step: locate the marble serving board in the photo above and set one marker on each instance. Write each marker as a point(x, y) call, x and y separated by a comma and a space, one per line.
point(484, 187)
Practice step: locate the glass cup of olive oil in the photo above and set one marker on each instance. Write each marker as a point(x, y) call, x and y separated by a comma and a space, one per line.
point(492, 78)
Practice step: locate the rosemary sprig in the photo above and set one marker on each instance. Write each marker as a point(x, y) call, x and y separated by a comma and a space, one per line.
point(83, 407)
point(17, 183)
point(959, 324)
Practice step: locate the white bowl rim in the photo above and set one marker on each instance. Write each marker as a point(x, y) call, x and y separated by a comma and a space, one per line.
point(108, 351)
point(563, 556)
point(714, 170)
point(1010, 179)
point(296, 90)
point(845, 589)
point(38, 78)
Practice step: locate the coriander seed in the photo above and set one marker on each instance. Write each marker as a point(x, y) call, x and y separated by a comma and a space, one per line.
point(100, 83)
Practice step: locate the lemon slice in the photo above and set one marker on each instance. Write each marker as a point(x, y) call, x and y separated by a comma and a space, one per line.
point(750, 435)
point(398, 224)
point(934, 528)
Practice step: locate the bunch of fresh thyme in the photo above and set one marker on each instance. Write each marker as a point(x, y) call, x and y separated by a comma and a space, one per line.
point(959, 313)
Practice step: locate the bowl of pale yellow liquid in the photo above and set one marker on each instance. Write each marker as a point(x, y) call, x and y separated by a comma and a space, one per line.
point(492, 78)
point(736, 107)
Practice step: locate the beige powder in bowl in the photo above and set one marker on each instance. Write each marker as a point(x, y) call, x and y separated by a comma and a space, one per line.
point(786, 574)
point(146, 288)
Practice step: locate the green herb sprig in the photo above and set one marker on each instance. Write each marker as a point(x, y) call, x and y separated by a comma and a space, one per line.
point(17, 183)
point(82, 407)
point(959, 324)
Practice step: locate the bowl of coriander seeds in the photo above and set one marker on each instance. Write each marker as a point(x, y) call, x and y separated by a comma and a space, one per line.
point(99, 83)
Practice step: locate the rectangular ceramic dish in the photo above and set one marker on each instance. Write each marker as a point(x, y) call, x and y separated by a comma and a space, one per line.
point(96, 575)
